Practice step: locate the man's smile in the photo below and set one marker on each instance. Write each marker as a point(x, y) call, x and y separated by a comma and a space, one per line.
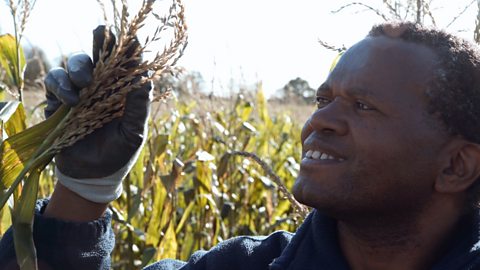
point(319, 155)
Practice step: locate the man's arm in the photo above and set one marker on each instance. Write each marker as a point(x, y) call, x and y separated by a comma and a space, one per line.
point(67, 205)
point(62, 244)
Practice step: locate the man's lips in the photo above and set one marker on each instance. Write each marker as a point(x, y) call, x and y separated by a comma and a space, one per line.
point(318, 150)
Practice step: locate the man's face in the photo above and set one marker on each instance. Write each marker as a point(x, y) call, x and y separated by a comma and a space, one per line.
point(371, 147)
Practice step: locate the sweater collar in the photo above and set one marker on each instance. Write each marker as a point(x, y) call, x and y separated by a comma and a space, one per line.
point(315, 246)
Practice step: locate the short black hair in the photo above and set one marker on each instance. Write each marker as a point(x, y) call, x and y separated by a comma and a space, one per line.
point(454, 93)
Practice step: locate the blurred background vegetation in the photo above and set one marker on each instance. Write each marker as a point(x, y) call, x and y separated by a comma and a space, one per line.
point(186, 191)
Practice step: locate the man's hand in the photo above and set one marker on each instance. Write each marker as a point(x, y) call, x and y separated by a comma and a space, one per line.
point(94, 167)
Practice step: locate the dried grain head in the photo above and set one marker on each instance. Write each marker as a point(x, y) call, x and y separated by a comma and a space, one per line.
point(118, 67)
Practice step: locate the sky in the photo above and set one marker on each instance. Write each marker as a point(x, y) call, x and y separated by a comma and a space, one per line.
point(235, 43)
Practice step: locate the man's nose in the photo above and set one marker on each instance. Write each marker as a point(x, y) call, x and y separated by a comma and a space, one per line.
point(329, 120)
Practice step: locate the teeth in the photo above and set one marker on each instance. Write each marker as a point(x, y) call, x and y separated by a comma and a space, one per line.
point(321, 156)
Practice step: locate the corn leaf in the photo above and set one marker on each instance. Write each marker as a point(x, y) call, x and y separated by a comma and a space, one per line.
point(168, 246)
point(13, 116)
point(5, 220)
point(9, 60)
point(262, 108)
point(23, 223)
point(148, 255)
point(155, 224)
point(19, 148)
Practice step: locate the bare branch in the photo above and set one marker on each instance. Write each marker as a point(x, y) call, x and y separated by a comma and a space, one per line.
point(428, 11)
point(476, 33)
point(376, 11)
point(332, 47)
point(393, 10)
point(461, 13)
point(419, 11)
point(299, 209)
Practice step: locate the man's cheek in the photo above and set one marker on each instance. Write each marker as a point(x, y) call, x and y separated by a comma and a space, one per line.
point(306, 131)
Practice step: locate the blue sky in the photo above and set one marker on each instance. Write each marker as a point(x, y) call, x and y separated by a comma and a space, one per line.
point(232, 41)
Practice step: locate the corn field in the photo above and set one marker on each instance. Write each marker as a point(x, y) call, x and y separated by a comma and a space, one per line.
point(188, 191)
point(205, 173)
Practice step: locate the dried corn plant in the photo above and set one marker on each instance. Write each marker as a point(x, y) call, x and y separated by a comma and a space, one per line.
point(26, 154)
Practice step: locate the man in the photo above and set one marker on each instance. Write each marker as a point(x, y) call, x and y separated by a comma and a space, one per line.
point(391, 159)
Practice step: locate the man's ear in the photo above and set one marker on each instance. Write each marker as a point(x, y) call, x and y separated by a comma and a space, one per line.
point(461, 167)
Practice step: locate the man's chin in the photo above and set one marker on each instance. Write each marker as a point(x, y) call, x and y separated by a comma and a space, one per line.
point(298, 191)
point(303, 194)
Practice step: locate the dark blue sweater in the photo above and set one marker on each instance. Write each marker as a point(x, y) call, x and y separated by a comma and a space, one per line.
point(66, 245)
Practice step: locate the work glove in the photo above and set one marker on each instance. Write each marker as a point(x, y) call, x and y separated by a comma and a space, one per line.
point(95, 166)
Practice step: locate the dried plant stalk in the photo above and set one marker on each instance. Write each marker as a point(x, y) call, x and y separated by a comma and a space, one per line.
point(299, 209)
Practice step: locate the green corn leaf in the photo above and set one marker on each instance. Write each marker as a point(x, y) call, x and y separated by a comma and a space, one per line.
point(147, 256)
point(9, 61)
point(23, 223)
point(136, 174)
point(222, 166)
point(161, 142)
point(18, 149)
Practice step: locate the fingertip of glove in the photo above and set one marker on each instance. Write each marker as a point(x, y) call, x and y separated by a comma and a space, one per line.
point(80, 70)
point(58, 83)
point(99, 39)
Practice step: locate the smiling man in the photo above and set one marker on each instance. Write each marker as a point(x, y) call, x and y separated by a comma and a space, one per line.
point(391, 162)
point(392, 152)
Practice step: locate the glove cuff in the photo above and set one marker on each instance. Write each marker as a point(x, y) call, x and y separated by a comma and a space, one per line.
point(103, 189)
point(99, 190)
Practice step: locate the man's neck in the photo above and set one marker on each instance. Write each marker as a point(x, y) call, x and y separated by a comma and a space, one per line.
point(396, 242)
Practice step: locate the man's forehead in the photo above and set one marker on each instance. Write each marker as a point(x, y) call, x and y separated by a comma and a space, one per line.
point(380, 59)
point(382, 69)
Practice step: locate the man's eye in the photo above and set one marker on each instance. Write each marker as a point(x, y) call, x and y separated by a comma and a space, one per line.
point(321, 101)
point(364, 107)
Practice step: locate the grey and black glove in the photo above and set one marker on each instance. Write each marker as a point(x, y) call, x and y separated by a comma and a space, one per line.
point(95, 166)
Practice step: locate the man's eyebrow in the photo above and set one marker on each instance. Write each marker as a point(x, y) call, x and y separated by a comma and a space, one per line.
point(323, 88)
point(353, 92)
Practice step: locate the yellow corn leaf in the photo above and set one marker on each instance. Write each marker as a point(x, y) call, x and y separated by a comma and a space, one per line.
point(5, 220)
point(9, 60)
point(262, 107)
point(168, 246)
point(19, 148)
point(13, 116)
point(161, 204)
point(185, 215)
